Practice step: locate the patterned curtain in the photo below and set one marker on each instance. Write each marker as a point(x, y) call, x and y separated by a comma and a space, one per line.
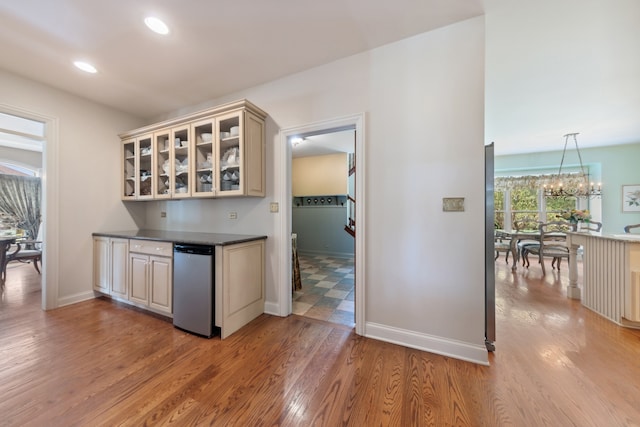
point(569, 180)
point(20, 199)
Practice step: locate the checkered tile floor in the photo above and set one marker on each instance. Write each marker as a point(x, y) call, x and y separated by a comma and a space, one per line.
point(327, 289)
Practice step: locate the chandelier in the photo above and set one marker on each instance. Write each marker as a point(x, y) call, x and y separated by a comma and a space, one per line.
point(578, 183)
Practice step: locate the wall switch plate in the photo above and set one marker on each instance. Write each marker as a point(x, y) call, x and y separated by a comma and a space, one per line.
point(233, 215)
point(273, 207)
point(163, 214)
point(453, 204)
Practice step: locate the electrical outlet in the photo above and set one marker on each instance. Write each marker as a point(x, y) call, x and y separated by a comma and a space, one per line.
point(163, 214)
point(273, 207)
point(233, 215)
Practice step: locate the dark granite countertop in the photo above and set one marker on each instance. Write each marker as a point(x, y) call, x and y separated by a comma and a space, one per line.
point(213, 239)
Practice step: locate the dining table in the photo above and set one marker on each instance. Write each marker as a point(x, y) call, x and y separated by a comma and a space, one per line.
point(5, 244)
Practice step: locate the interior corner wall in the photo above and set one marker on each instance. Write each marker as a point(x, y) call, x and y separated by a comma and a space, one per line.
point(424, 137)
point(87, 169)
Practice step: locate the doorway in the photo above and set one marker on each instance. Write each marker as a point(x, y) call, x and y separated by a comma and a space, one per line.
point(284, 189)
point(323, 225)
point(46, 138)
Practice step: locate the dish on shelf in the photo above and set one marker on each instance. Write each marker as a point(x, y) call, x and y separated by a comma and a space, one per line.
point(224, 135)
point(234, 131)
point(206, 137)
point(230, 158)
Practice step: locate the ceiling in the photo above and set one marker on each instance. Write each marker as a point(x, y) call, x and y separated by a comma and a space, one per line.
point(215, 47)
point(576, 73)
point(342, 141)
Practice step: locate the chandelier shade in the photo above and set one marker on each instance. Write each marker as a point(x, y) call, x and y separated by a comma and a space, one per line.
point(567, 185)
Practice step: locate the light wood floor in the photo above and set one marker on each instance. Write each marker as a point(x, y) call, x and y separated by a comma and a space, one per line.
point(98, 363)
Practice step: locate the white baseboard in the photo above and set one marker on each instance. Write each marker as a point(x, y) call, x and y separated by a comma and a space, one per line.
point(75, 298)
point(433, 344)
point(272, 308)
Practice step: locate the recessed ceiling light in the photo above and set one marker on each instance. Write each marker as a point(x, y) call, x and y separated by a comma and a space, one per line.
point(156, 25)
point(85, 66)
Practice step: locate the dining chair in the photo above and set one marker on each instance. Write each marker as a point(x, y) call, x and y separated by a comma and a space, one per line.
point(502, 243)
point(592, 226)
point(627, 229)
point(552, 244)
point(525, 224)
point(26, 251)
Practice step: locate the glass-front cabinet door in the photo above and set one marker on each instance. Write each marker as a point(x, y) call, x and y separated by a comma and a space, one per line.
point(202, 179)
point(129, 167)
point(230, 178)
point(163, 155)
point(145, 167)
point(180, 164)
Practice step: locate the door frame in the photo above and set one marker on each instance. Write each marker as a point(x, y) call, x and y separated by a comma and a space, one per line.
point(283, 184)
point(49, 209)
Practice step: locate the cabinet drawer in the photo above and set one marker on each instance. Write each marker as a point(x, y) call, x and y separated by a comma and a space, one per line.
point(151, 248)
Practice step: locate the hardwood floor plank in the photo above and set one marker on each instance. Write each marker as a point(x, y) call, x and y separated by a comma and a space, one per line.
point(98, 363)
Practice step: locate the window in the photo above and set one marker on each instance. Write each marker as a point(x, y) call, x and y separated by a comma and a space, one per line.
point(21, 133)
point(521, 199)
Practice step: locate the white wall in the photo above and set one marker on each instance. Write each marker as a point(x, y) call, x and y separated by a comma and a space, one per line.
point(87, 172)
point(320, 175)
point(423, 99)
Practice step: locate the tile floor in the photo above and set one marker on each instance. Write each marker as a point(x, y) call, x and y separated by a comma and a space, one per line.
point(327, 289)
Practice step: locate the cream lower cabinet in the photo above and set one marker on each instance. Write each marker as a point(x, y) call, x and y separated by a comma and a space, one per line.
point(110, 258)
point(239, 285)
point(151, 275)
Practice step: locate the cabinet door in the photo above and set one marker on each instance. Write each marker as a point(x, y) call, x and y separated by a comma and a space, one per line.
point(161, 283)
point(101, 264)
point(119, 249)
point(181, 162)
point(202, 176)
point(138, 278)
point(239, 285)
point(129, 167)
point(162, 160)
point(145, 170)
point(230, 155)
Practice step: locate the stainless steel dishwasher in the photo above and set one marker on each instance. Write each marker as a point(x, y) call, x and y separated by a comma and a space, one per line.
point(193, 289)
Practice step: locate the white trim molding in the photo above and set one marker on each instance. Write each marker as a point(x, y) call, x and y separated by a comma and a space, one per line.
point(432, 344)
point(50, 215)
point(283, 166)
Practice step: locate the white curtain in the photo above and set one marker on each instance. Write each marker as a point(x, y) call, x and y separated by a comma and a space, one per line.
point(20, 199)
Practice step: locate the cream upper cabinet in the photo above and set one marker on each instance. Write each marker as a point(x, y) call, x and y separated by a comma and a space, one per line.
point(162, 148)
point(137, 168)
point(204, 143)
point(240, 161)
point(129, 167)
point(213, 153)
point(181, 162)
